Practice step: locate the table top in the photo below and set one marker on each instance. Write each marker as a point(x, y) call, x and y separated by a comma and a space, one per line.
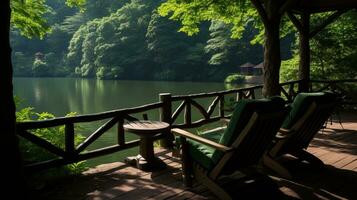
point(146, 126)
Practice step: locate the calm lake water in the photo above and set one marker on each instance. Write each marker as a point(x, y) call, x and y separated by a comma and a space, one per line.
point(60, 96)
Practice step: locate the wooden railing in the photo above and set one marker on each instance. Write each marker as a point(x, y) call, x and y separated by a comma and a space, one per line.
point(170, 108)
point(217, 103)
point(72, 153)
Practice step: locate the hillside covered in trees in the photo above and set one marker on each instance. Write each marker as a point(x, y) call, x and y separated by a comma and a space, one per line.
point(128, 39)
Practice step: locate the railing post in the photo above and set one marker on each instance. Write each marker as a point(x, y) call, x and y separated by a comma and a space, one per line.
point(187, 116)
point(165, 116)
point(252, 93)
point(69, 140)
point(221, 106)
point(120, 129)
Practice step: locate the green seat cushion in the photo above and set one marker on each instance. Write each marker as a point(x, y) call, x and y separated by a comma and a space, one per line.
point(302, 102)
point(203, 154)
point(209, 157)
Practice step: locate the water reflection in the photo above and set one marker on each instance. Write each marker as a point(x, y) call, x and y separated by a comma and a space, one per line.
point(62, 95)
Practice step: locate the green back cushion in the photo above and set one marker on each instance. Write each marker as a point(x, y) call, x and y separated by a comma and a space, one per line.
point(242, 113)
point(302, 102)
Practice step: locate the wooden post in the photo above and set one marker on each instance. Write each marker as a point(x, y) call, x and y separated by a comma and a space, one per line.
point(120, 129)
point(69, 140)
point(252, 93)
point(187, 116)
point(165, 116)
point(221, 106)
point(304, 66)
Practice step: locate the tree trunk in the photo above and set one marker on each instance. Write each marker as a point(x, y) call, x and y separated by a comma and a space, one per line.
point(272, 58)
point(304, 45)
point(12, 178)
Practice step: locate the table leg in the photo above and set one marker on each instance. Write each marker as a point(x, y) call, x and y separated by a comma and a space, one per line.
point(146, 160)
point(147, 149)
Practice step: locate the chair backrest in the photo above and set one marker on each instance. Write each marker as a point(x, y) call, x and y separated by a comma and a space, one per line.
point(250, 131)
point(309, 112)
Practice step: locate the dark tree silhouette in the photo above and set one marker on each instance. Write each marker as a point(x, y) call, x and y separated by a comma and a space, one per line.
point(12, 176)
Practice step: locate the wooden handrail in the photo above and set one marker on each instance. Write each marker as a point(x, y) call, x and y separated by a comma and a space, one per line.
point(213, 94)
point(86, 118)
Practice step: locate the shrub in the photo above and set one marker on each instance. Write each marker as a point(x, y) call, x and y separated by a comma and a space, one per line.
point(54, 135)
point(235, 79)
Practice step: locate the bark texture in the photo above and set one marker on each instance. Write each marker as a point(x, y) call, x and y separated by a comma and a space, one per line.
point(272, 59)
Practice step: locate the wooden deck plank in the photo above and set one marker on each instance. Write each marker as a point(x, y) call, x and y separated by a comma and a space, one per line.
point(344, 162)
point(351, 166)
point(334, 157)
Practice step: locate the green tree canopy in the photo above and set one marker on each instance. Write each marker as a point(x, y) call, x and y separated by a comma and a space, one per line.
point(240, 14)
point(192, 13)
point(112, 46)
point(29, 16)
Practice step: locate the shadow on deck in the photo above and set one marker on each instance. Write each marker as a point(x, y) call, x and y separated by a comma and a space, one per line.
point(335, 146)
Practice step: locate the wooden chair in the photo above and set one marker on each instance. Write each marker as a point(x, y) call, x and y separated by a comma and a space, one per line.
point(309, 112)
point(211, 156)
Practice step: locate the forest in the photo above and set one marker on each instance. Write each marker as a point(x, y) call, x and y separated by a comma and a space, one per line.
point(130, 40)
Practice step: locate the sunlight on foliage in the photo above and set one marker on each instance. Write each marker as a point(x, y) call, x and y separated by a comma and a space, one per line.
point(54, 135)
point(28, 16)
point(192, 13)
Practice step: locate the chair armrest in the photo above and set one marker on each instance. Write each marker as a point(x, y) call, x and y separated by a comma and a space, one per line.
point(283, 133)
point(199, 139)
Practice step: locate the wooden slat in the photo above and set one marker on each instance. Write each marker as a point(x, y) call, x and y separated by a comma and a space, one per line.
point(35, 167)
point(285, 93)
point(343, 162)
point(96, 134)
point(352, 165)
point(187, 116)
point(196, 123)
point(213, 105)
point(200, 109)
point(42, 143)
point(178, 111)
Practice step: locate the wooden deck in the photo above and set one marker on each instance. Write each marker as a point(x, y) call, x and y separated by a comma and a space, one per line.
point(335, 145)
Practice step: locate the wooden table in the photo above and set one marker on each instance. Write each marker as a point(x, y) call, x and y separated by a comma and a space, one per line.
point(146, 130)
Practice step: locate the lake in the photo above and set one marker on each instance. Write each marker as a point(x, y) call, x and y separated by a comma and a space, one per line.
point(60, 96)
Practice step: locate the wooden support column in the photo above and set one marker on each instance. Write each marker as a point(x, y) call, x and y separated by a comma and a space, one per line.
point(121, 132)
point(165, 116)
point(304, 45)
